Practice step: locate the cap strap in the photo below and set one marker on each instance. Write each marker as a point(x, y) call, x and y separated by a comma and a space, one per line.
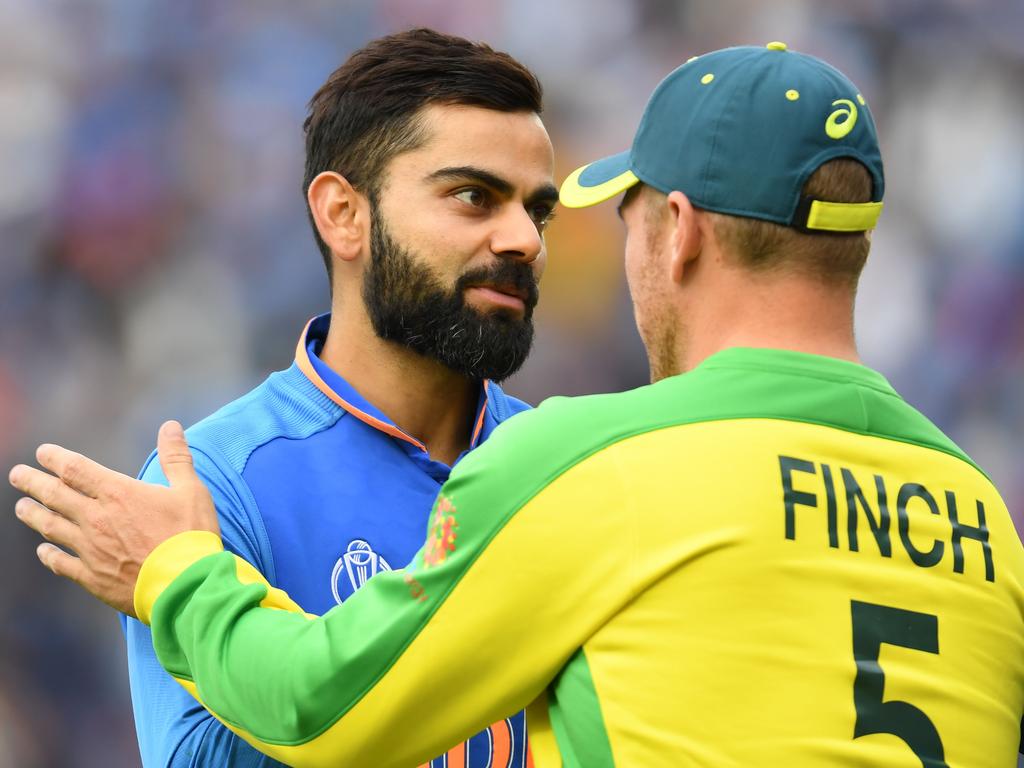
point(820, 215)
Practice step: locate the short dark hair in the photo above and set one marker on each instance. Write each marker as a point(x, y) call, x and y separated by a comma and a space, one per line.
point(366, 112)
point(834, 258)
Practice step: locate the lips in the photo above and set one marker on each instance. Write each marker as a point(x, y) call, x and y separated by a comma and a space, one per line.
point(507, 289)
point(498, 299)
point(508, 286)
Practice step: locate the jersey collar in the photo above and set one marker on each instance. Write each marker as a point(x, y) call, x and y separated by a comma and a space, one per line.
point(799, 363)
point(345, 395)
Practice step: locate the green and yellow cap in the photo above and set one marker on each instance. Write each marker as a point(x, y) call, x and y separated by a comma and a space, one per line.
point(739, 131)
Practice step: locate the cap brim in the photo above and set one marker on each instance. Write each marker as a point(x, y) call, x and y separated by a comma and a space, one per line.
point(597, 182)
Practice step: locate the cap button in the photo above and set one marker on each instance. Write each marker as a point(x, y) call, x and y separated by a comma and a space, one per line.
point(776, 46)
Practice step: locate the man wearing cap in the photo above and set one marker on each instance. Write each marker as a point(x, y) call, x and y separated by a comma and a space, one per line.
point(764, 558)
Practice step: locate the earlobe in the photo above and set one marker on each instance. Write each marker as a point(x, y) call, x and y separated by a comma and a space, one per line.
point(687, 239)
point(337, 210)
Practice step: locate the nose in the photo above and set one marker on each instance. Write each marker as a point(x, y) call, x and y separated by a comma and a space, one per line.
point(517, 237)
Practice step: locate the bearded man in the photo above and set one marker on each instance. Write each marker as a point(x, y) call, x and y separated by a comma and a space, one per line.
point(429, 182)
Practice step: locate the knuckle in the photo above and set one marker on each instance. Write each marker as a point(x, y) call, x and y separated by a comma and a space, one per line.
point(179, 456)
point(115, 492)
point(99, 523)
point(72, 469)
point(46, 494)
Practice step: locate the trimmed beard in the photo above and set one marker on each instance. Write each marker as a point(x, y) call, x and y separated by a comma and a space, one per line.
point(408, 304)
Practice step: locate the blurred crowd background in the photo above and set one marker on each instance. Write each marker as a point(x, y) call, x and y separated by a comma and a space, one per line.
point(155, 259)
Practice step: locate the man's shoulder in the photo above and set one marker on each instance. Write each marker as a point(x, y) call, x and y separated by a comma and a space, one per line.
point(564, 431)
point(285, 405)
point(567, 430)
point(589, 420)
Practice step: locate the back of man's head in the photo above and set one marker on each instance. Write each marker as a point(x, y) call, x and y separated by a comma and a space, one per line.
point(834, 258)
point(366, 112)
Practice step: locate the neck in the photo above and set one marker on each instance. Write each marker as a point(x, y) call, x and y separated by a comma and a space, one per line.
point(422, 397)
point(773, 312)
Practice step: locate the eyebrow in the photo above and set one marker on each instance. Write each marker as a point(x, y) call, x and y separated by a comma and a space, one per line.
point(544, 193)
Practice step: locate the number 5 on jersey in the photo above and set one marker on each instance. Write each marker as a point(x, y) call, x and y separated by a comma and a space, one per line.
point(872, 626)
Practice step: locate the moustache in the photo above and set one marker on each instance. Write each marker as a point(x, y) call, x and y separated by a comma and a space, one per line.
point(507, 274)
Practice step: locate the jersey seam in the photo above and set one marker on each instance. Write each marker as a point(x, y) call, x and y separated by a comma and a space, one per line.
point(838, 378)
point(328, 409)
point(863, 408)
point(259, 528)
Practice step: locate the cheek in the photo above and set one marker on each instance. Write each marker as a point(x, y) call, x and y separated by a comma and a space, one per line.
point(646, 284)
point(425, 224)
point(420, 230)
point(633, 265)
point(540, 264)
point(440, 247)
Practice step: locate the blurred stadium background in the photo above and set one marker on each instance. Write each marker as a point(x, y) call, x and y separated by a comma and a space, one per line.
point(155, 259)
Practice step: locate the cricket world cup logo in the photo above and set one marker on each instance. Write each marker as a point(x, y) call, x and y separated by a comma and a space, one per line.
point(359, 564)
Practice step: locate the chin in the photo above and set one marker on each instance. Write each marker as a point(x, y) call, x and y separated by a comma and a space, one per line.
point(501, 315)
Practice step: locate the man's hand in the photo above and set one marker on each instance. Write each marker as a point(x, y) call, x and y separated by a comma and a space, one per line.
point(111, 521)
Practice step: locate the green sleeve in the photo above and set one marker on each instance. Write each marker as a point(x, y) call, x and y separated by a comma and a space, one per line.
point(496, 603)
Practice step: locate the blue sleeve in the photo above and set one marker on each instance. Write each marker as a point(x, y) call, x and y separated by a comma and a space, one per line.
point(173, 729)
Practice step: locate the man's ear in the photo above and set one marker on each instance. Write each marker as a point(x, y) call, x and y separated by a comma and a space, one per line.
point(341, 214)
point(687, 237)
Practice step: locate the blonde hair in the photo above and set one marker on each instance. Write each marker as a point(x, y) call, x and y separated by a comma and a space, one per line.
point(834, 258)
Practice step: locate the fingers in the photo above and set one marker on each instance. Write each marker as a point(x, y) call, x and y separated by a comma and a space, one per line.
point(72, 568)
point(77, 471)
point(174, 453)
point(49, 491)
point(48, 524)
point(61, 563)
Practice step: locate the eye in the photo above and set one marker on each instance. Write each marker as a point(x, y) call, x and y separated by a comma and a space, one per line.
point(542, 214)
point(473, 196)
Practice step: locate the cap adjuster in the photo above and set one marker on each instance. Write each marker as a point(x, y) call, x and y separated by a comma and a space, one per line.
point(821, 216)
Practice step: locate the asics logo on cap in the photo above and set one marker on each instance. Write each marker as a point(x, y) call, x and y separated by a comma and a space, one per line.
point(836, 129)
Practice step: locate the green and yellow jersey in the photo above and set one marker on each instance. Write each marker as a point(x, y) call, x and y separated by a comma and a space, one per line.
point(771, 560)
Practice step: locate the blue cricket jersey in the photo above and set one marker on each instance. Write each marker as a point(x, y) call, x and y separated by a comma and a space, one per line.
point(320, 491)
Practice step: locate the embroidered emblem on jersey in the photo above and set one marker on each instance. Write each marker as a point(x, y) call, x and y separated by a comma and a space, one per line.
point(442, 534)
point(357, 565)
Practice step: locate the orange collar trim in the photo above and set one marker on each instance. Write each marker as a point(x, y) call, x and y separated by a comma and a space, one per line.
point(480, 417)
point(302, 360)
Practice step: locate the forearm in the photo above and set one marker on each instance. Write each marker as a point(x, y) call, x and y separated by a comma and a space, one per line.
point(305, 691)
point(174, 731)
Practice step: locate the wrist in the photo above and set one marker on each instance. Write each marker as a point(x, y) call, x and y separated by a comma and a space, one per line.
point(166, 562)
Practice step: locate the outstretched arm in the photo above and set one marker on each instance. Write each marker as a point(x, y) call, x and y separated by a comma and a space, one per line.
point(507, 587)
point(173, 729)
